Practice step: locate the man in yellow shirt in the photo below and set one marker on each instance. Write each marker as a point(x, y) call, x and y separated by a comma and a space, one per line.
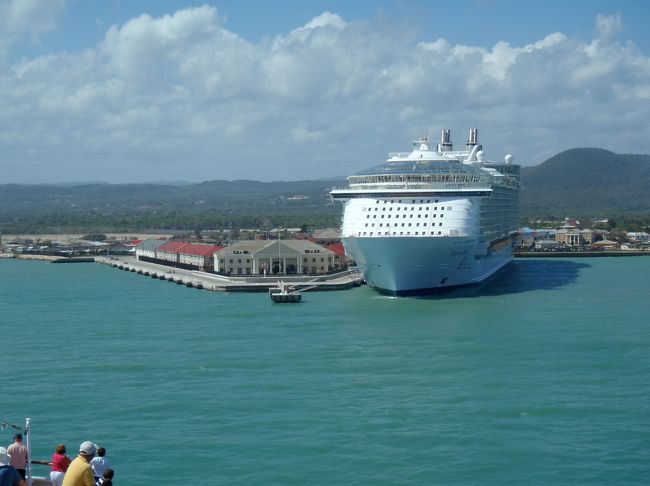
point(80, 473)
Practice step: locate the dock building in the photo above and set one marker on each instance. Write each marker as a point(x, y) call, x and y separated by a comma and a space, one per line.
point(259, 257)
point(146, 249)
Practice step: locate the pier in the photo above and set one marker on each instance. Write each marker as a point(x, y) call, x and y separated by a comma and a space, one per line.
point(214, 282)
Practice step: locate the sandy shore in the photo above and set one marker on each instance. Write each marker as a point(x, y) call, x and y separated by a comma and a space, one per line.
point(21, 256)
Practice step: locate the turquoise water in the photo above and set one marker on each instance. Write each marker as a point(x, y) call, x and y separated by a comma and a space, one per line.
point(540, 376)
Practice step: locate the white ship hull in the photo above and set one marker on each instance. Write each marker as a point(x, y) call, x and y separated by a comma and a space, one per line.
point(403, 265)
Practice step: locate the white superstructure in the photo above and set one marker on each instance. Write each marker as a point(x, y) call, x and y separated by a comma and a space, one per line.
point(431, 218)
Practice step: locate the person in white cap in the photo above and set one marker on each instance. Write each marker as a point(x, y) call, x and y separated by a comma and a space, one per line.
point(79, 472)
point(8, 474)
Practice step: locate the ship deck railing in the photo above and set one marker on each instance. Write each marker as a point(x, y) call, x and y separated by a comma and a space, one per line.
point(411, 186)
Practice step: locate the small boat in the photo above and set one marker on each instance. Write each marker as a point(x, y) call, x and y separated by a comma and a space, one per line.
point(284, 293)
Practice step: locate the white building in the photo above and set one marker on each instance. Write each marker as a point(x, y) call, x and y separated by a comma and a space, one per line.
point(638, 237)
point(147, 248)
point(259, 257)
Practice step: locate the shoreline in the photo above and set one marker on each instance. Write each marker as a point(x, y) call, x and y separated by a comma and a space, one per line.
point(67, 238)
point(516, 254)
point(22, 256)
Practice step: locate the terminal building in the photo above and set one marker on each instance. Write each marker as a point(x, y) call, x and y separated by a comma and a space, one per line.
point(246, 257)
point(289, 257)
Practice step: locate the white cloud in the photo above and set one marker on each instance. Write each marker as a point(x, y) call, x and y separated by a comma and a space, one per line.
point(608, 25)
point(326, 19)
point(181, 97)
point(29, 19)
point(303, 134)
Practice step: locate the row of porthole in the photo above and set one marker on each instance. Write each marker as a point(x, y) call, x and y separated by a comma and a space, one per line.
point(420, 208)
point(396, 224)
point(374, 216)
point(392, 201)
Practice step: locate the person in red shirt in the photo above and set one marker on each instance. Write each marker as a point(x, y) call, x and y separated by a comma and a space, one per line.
point(60, 463)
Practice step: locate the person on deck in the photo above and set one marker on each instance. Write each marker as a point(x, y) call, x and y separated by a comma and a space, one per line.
point(60, 463)
point(107, 478)
point(8, 474)
point(18, 453)
point(80, 473)
point(100, 463)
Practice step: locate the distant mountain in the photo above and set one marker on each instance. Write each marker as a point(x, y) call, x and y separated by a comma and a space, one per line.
point(238, 197)
point(587, 181)
point(122, 207)
point(580, 182)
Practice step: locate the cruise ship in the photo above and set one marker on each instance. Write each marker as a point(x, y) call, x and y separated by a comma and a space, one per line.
point(431, 218)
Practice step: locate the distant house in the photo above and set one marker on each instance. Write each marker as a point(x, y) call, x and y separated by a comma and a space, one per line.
point(638, 237)
point(589, 236)
point(575, 237)
point(570, 223)
point(547, 244)
point(606, 245)
point(570, 237)
point(121, 248)
point(326, 236)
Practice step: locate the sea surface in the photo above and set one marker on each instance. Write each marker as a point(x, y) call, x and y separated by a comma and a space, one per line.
point(539, 376)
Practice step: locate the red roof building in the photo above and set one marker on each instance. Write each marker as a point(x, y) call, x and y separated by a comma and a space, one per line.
point(340, 258)
point(169, 251)
point(200, 249)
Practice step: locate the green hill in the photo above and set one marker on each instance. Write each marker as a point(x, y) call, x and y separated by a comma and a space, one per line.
point(587, 181)
point(207, 205)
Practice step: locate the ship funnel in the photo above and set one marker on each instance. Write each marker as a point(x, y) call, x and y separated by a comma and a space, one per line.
point(445, 141)
point(473, 137)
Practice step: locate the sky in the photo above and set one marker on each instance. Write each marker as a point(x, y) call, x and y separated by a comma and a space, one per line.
point(177, 90)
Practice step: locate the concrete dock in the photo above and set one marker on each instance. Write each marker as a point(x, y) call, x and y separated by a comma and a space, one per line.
point(209, 281)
